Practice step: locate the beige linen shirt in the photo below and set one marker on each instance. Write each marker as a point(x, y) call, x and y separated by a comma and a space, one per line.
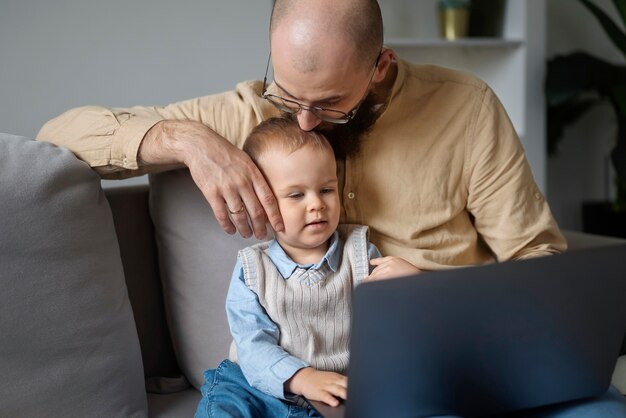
point(441, 179)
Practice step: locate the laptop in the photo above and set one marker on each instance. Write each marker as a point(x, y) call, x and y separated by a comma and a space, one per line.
point(486, 340)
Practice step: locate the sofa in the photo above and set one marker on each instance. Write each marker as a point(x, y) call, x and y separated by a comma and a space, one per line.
point(113, 300)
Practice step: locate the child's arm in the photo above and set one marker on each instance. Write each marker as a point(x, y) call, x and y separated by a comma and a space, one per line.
point(387, 267)
point(317, 385)
point(390, 267)
point(265, 364)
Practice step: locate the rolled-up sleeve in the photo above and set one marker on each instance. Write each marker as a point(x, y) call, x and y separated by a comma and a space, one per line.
point(109, 139)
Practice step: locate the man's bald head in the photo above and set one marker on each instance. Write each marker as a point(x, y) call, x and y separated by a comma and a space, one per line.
point(355, 23)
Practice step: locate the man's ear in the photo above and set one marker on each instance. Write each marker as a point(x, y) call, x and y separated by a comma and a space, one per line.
point(384, 62)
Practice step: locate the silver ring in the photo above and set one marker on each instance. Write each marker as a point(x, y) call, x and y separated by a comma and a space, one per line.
point(234, 212)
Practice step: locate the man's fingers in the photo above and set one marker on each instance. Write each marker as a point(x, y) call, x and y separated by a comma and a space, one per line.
point(222, 216)
point(240, 219)
point(255, 214)
point(268, 202)
point(240, 197)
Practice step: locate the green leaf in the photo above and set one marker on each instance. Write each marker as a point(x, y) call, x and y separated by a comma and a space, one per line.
point(615, 33)
point(580, 73)
point(620, 5)
point(563, 115)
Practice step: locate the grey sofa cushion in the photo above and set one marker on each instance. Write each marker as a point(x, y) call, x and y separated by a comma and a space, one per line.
point(196, 259)
point(135, 234)
point(68, 345)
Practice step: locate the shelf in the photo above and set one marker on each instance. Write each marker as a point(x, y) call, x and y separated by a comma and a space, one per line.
point(459, 43)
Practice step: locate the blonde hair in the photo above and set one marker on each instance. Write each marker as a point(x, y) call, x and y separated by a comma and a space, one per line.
point(284, 134)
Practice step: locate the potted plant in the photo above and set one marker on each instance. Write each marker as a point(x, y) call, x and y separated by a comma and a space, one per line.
point(578, 81)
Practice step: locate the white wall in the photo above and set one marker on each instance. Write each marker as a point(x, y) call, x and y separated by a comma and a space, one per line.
point(59, 54)
point(581, 170)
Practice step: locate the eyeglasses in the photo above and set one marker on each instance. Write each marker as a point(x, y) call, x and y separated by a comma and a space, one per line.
point(327, 115)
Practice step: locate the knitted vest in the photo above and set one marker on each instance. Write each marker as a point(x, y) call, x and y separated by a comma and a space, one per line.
point(312, 309)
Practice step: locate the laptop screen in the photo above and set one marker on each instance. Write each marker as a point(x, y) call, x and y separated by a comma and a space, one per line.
point(488, 339)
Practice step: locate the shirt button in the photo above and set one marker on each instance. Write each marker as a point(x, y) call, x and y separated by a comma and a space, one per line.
point(350, 195)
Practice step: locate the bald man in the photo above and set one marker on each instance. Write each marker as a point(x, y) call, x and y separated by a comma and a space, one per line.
point(427, 156)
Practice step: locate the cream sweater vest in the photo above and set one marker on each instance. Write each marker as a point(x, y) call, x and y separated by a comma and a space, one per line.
point(312, 309)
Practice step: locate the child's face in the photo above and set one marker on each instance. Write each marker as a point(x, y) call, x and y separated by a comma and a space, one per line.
point(305, 185)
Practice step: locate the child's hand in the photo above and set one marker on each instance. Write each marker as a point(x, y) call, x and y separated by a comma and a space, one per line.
point(389, 267)
point(317, 385)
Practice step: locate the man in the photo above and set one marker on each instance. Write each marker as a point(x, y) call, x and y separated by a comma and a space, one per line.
point(428, 158)
point(440, 176)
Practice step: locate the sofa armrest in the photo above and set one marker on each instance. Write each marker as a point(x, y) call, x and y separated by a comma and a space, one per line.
point(581, 240)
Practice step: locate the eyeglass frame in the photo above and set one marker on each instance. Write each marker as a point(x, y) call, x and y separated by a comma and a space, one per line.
point(347, 116)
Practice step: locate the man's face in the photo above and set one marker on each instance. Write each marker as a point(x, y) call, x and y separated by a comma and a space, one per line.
point(346, 139)
point(336, 78)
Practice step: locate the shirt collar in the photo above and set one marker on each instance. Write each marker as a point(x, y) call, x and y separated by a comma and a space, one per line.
point(286, 265)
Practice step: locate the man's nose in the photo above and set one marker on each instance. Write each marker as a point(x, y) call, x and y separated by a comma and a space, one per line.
point(307, 120)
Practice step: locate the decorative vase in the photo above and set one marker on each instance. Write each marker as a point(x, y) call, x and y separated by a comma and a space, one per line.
point(453, 19)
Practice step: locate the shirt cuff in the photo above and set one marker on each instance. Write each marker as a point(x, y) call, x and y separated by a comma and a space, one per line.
point(127, 139)
point(282, 371)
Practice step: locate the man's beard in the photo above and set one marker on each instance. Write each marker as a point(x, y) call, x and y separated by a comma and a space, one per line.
point(346, 138)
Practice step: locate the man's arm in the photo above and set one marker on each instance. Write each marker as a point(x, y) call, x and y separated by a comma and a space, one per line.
point(225, 175)
point(120, 143)
point(510, 213)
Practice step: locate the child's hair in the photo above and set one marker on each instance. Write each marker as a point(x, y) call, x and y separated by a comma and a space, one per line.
point(283, 133)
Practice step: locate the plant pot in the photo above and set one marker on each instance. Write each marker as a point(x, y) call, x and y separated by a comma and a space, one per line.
point(600, 218)
point(486, 18)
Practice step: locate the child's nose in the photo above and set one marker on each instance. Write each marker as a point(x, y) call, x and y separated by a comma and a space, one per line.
point(316, 203)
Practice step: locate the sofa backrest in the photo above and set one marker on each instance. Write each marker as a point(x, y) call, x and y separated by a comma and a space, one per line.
point(196, 261)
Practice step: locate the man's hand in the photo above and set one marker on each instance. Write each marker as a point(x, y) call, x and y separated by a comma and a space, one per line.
point(391, 267)
point(240, 197)
point(317, 385)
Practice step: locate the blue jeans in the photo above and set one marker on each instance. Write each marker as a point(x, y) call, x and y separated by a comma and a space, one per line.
point(610, 405)
point(226, 393)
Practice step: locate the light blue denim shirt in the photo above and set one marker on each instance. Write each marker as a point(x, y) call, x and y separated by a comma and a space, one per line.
point(265, 364)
